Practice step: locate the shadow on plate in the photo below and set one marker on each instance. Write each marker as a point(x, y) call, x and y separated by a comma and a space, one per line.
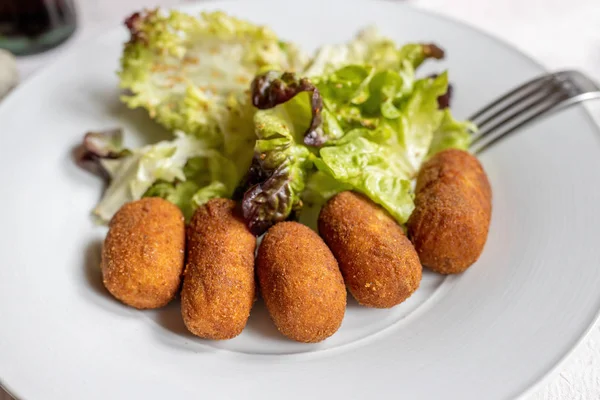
point(103, 105)
point(260, 323)
point(138, 128)
point(173, 332)
point(93, 277)
point(169, 317)
point(135, 122)
point(351, 302)
point(91, 265)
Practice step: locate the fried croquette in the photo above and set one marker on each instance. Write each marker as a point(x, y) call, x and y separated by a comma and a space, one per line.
point(300, 282)
point(218, 284)
point(143, 254)
point(378, 262)
point(453, 206)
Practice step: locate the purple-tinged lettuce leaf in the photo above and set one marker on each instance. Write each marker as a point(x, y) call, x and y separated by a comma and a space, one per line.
point(99, 146)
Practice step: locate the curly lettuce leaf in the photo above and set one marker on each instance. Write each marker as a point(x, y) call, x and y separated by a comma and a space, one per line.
point(416, 53)
point(451, 134)
point(206, 177)
point(380, 127)
point(386, 90)
point(99, 150)
point(344, 86)
point(393, 122)
point(190, 72)
point(179, 193)
point(359, 96)
point(371, 48)
point(192, 75)
point(321, 186)
point(373, 169)
point(176, 170)
point(418, 118)
point(361, 121)
point(281, 162)
point(273, 88)
point(445, 99)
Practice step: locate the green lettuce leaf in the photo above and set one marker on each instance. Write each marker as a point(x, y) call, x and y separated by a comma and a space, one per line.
point(273, 88)
point(183, 171)
point(416, 53)
point(373, 169)
point(179, 193)
point(360, 121)
point(393, 122)
point(372, 48)
point(191, 73)
point(419, 117)
point(281, 162)
point(378, 126)
point(451, 134)
point(321, 186)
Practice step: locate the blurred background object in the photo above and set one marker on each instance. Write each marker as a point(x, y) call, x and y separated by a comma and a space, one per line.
point(9, 76)
point(32, 26)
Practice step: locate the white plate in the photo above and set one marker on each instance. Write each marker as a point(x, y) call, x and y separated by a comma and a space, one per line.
point(490, 333)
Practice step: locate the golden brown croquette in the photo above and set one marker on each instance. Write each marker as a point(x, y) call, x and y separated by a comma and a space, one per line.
point(453, 206)
point(300, 283)
point(378, 262)
point(142, 257)
point(218, 285)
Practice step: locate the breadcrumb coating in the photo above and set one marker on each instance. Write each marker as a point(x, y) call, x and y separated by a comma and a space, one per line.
point(300, 283)
point(218, 286)
point(143, 254)
point(378, 262)
point(453, 207)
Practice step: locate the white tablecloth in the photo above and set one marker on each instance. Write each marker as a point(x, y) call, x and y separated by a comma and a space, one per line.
point(559, 33)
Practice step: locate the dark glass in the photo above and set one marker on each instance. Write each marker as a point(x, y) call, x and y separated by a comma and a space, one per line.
point(32, 26)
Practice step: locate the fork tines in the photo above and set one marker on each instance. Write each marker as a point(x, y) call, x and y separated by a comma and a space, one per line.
point(529, 101)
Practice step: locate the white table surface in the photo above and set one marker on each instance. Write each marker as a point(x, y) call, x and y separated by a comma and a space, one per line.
point(558, 33)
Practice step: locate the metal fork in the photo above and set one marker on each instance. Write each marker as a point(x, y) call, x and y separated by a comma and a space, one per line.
point(543, 95)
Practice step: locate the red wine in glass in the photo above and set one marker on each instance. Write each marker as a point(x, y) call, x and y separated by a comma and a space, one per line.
point(32, 26)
